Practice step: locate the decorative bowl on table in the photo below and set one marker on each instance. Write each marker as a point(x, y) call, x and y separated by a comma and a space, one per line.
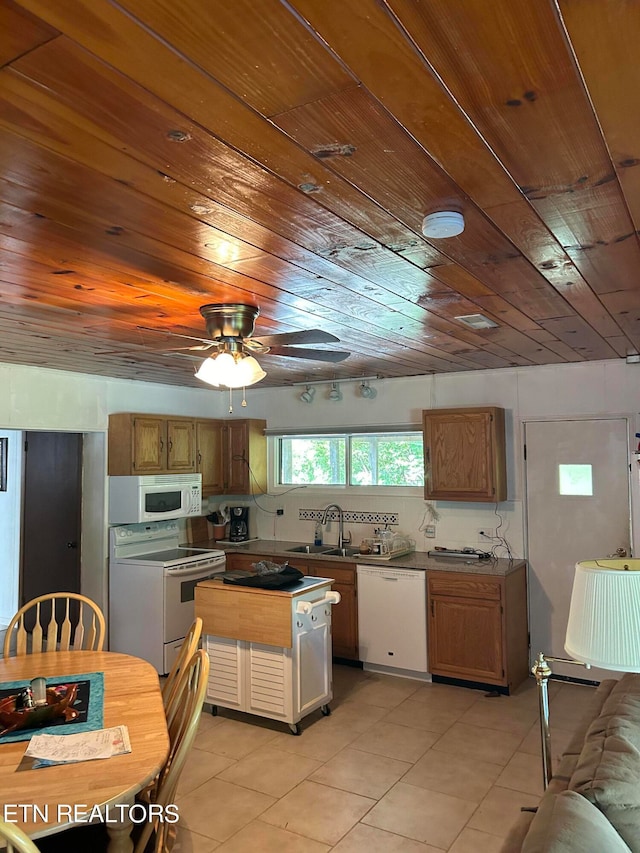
point(59, 702)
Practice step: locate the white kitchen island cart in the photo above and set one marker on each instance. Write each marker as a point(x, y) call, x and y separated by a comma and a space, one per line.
point(270, 650)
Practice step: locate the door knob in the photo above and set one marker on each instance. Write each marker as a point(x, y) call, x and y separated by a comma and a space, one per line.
point(72, 544)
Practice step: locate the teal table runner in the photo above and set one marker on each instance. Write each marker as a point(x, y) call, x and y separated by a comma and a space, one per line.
point(89, 705)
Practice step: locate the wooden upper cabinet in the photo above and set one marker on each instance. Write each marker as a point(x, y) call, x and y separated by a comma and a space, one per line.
point(230, 455)
point(181, 451)
point(244, 457)
point(464, 454)
point(150, 444)
point(209, 456)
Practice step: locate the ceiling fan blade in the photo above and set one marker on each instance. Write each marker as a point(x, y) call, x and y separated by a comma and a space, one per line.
point(313, 354)
point(197, 348)
point(307, 336)
point(178, 335)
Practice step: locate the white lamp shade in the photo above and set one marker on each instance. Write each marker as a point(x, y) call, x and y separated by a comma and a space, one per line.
point(604, 616)
point(225, 369)
point(247, 372)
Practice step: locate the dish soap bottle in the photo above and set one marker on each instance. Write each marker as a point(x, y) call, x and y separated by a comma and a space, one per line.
point(317, 537)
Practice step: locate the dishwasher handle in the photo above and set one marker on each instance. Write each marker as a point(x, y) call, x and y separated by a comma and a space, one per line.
point(307, 607)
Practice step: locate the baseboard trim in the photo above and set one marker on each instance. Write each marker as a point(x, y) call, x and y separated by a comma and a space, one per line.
point(473, 685)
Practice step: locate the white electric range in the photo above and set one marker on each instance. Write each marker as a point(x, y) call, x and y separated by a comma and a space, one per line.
point(152, 583)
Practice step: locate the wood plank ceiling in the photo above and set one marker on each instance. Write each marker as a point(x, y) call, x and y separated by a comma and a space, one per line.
point(157, 155)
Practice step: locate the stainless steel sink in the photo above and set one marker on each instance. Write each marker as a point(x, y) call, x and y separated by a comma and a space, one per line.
point(310, 549)
point(342, 552)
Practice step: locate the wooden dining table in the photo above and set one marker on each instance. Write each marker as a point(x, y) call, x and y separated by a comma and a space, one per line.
point(66, 793)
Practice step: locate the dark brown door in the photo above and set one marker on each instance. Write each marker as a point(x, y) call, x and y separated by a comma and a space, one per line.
point(51, 514)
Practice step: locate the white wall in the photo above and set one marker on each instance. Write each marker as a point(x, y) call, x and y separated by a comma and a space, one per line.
point(58, 401)
point(31, 398)
point(10, 503)
point(530, 393)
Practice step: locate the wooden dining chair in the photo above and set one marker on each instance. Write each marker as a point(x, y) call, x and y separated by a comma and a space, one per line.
point(47, 634)
point(183, 716)
point(16, 840)
point(187, 650)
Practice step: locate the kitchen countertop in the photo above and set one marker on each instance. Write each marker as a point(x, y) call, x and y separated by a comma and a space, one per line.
point(417, 560)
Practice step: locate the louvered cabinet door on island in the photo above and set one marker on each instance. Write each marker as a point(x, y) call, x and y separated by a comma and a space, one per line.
point(464, 454)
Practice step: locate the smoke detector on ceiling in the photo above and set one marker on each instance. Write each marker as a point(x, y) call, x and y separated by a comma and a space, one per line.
point(444, 223)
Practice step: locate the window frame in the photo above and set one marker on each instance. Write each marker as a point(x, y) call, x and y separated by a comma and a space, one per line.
point(273, 445)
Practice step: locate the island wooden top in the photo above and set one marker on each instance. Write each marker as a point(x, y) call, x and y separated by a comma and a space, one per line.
point(252, 614)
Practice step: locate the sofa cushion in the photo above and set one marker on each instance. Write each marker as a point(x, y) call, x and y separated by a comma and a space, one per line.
point(569, 823)
point(607, 772)
point(590, 708)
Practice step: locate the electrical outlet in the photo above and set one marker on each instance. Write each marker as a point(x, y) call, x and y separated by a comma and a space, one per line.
point(485, 534)
point(430, 531)
point(280, 511)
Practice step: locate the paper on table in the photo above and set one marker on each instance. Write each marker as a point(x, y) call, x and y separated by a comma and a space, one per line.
point(86, 746)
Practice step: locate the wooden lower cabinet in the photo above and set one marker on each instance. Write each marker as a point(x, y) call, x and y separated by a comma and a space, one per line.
point(344, 616)
point(477, 627)
point(244, 561)
point(344, 627)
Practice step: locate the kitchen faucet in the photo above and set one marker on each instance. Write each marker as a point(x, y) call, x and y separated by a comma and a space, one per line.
point(342, 539)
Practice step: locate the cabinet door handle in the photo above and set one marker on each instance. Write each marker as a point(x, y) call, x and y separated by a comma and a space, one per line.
point(170, 445)
point(199, 457)
point(432, 610)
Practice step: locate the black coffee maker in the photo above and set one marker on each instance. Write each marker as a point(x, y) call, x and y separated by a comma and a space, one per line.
point(239, 524)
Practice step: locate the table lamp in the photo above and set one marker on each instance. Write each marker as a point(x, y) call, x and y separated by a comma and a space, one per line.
point(603, 629)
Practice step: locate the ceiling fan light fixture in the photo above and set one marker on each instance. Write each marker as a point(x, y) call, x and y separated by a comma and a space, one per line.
point(443, 223)
point(308, 394)
point(335, 394)
point(231, 370)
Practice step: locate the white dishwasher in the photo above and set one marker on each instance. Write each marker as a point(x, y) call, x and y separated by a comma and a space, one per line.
point(392, 618)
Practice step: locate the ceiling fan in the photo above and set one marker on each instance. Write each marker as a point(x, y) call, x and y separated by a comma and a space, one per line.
point(230, 348)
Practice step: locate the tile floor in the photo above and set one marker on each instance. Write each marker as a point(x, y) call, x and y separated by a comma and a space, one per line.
point(399, 766)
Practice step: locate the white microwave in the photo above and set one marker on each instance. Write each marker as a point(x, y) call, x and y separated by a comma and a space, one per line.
point(154, 497)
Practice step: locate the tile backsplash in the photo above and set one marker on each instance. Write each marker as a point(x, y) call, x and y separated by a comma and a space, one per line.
point(351, 516)
point(292, 517)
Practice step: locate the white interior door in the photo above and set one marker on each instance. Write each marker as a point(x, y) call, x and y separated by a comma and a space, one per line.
point(578, 508)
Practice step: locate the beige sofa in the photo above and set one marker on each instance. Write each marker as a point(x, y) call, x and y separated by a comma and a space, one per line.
point(592, 804)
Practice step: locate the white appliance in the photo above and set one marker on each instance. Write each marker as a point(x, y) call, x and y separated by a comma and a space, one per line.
point(152, 589)
point(154, 497)
point(392, 619)
point(277, 682)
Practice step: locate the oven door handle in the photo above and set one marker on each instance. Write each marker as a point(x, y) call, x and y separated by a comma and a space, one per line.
point(201, 572)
